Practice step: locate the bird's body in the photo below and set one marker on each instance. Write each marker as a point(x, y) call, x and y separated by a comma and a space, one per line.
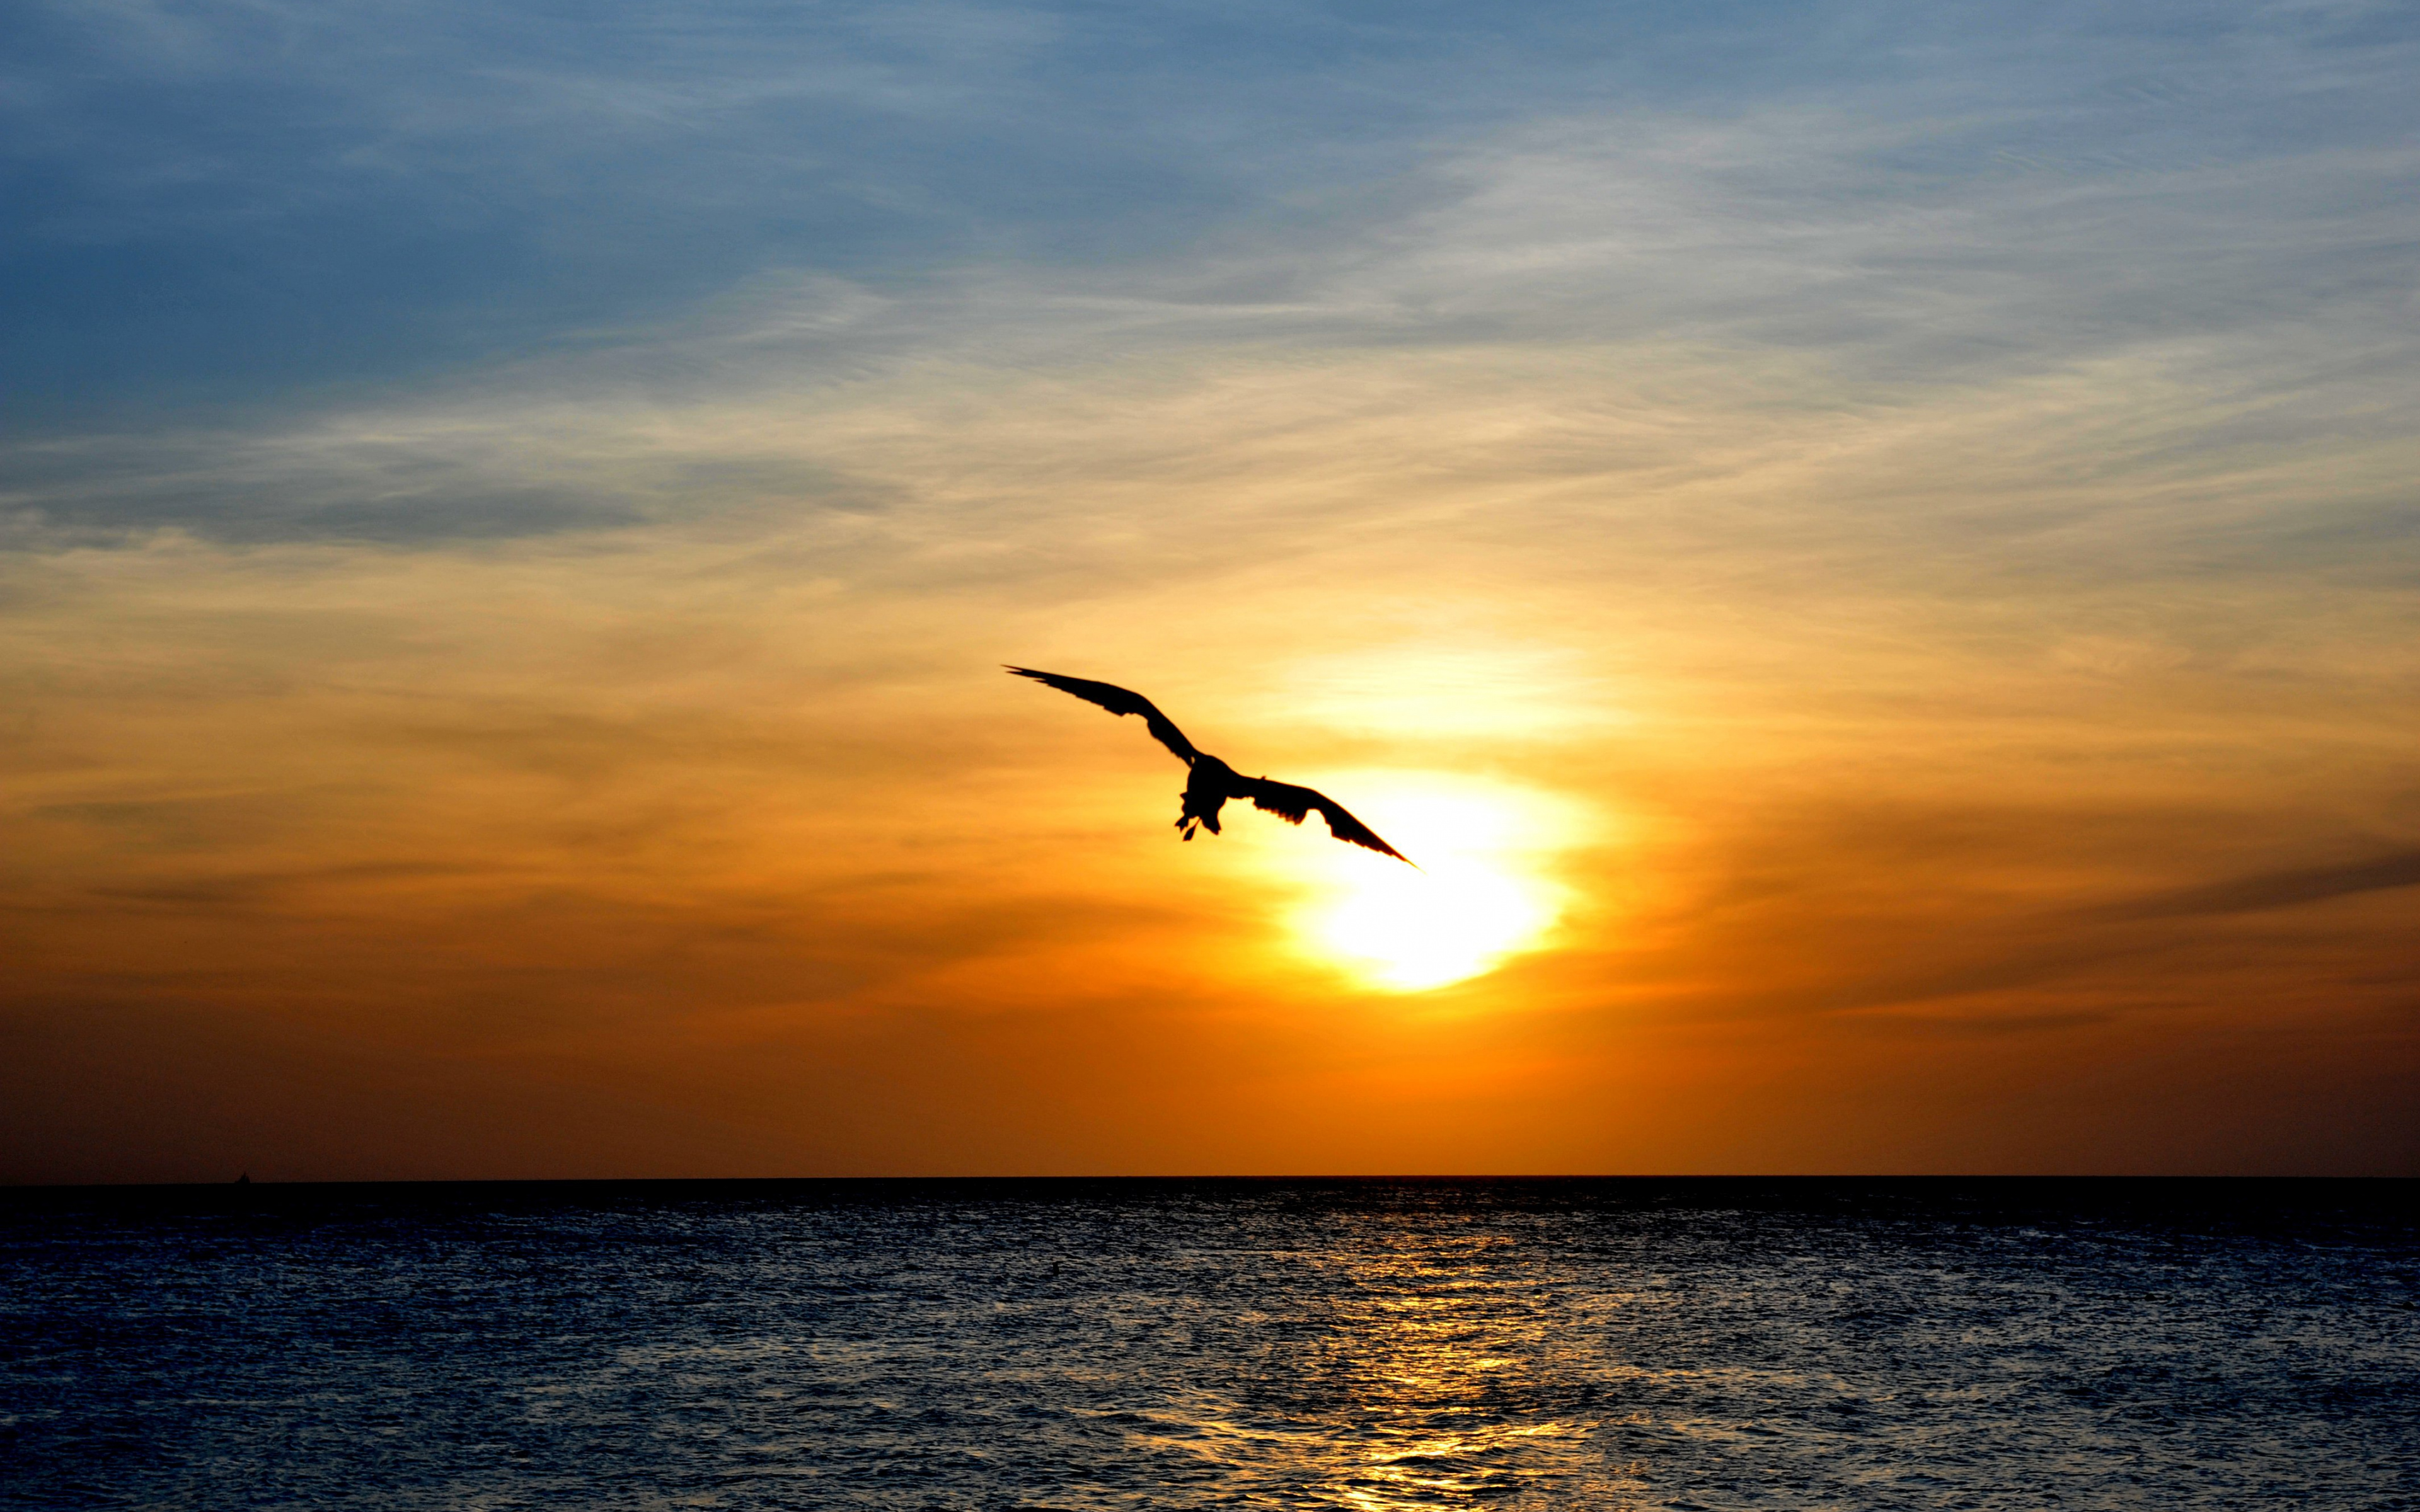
point(1213, 782)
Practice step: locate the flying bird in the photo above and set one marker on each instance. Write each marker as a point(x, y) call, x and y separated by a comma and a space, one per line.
point(1214, 781)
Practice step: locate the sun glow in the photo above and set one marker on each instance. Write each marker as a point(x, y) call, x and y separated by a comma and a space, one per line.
point(1475, 901)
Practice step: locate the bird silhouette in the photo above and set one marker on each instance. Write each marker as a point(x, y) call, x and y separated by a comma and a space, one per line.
point(1212, 781)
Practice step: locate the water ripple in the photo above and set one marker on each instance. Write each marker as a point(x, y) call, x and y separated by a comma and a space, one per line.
point(1369, 1346)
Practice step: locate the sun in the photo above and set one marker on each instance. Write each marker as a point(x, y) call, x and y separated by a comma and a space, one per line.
point(1476, 900)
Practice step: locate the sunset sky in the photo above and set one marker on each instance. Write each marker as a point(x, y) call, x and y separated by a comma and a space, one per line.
point(1870, 551)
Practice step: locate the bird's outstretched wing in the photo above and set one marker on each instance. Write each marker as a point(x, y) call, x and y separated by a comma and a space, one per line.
point(1291, 804)
point(1118, 701)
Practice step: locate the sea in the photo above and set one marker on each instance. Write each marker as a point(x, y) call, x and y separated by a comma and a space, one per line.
point(1367, 1344)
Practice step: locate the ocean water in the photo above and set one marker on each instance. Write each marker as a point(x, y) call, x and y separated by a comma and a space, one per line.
point(1375, 1344)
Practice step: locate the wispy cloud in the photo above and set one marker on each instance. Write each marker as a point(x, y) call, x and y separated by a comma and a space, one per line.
point(2275, 889)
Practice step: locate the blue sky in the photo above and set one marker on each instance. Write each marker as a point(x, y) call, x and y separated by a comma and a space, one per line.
point(214, 206)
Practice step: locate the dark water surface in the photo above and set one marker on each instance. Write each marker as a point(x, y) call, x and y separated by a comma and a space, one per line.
point(1618, 1344)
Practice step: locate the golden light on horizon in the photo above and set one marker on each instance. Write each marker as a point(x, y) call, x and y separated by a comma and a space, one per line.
point(1478, 898)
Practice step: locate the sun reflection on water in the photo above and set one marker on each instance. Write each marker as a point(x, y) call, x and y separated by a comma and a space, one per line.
point(1435, 1357)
